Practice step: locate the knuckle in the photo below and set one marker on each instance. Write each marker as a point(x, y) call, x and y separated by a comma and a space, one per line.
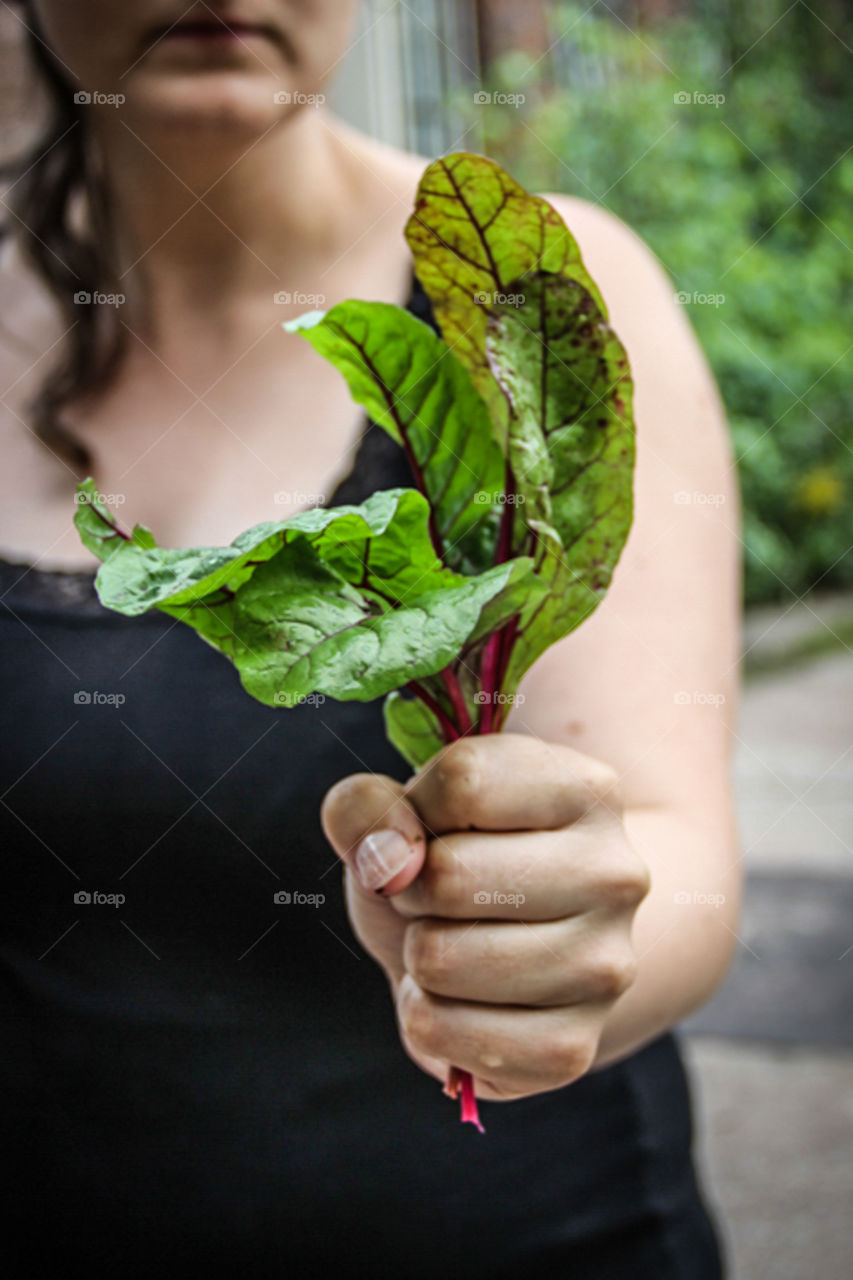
point(458, 776)
point(443, 878)
point(570, 1055)
point(604, 783)
point(614, 973)
point(625, 886)
point(426, 956)
point(418, 1019)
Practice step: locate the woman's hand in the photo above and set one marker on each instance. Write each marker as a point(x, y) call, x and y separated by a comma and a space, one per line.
point(497, 890)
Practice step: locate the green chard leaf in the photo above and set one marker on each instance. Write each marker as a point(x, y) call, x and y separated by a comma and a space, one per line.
point(473, 232)
point(98, 528)
point(565, 375)
point(412, 728)
point(383, 544)
point(297, 627)
point(566, 378)
point(348, 601)
point(410, 383)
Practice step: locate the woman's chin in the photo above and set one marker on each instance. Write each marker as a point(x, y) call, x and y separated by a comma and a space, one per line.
point(210, 110)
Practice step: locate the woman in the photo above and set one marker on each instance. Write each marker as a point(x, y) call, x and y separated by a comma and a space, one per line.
point(200, 1070)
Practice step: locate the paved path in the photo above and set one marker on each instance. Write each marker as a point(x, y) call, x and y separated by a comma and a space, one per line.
point(794, 768)
point(772, 1053)
point(775, 1140)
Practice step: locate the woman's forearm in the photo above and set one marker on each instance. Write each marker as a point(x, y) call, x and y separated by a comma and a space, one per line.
point(685, 931)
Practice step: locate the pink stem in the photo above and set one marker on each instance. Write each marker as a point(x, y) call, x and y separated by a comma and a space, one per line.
point(458, 1083)
point(509, 636)
point(469, 1101)
point(116, 528)
point(488, 673)
point(495, 657)
point(457, 701)
point(504, 548)
point(447, 725)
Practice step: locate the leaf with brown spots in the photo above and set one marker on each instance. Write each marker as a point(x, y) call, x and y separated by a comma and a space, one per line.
point(475, 230)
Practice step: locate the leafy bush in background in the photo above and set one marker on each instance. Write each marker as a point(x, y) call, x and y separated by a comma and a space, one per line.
point(751, 199)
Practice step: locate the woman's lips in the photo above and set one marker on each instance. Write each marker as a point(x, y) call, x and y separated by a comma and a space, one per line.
point(215, 31)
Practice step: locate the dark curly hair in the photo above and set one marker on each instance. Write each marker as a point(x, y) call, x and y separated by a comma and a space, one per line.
point(53, 183)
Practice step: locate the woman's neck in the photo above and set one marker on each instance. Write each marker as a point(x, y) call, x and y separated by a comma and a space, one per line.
point(245, 218)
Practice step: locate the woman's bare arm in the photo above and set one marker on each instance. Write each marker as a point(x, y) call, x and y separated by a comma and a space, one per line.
point(649, 683)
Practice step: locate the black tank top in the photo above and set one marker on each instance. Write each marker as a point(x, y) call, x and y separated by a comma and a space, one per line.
point(196, 1076)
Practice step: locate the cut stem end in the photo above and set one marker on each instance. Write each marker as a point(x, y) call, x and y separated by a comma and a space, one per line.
point(460, 1084)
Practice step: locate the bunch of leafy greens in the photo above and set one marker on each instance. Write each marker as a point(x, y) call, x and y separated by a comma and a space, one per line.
point(518, 429)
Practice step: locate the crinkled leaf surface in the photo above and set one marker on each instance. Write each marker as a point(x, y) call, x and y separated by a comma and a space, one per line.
point(347, 601)
point(566, 377)
point(410, 383)
point(297, 628)
point(383, 545)
point(473, 232)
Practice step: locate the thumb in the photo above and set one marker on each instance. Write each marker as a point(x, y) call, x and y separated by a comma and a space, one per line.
point(375, 831)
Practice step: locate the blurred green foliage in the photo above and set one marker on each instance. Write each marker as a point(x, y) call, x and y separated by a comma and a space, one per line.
point(751, 198)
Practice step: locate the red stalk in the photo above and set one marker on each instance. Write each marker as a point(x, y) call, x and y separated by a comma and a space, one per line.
point(508, 637)
point(458, 1081)
point(457, 701)
point(504, 548)
point(447, 725)
point(495, 658)
point(488, 673)
point(116, 528)
point(469, 1101)
point(460, 1084)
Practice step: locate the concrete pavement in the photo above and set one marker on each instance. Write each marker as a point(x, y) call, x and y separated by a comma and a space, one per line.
point(771, 1055)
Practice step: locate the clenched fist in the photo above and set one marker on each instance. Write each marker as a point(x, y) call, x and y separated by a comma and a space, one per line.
point(497, 890)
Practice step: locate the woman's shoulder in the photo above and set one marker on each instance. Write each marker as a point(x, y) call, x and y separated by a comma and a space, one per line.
point(625, 268)
point(643, 305)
